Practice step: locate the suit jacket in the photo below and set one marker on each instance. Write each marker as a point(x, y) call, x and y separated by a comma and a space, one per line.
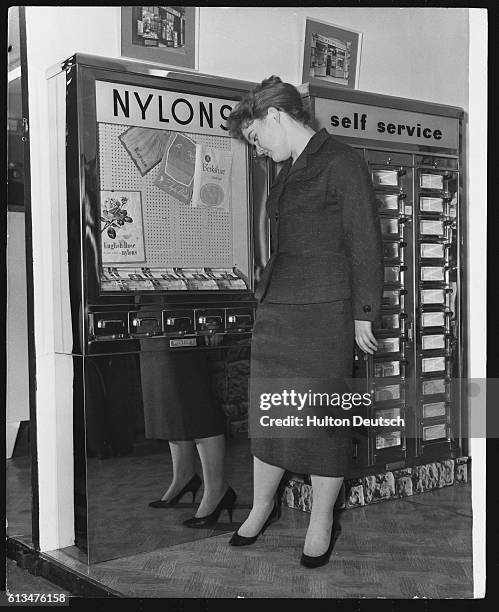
point(325, 231)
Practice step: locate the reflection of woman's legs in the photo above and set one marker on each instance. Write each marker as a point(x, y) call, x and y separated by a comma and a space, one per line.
point(325, 491)
point(184, 466)
point(266, 479)
point(212, 454)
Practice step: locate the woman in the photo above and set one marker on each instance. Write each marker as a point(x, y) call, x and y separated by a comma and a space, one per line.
point(179, 407)
point(320, 289)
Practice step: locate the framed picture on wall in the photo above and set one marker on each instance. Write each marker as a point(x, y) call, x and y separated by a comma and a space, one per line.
point(162, 34)
point(331, 54)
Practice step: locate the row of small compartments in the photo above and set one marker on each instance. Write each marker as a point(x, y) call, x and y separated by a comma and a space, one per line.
point(426, 273)
point(438, 297)
point(433, 181)
point(390, 203)
point(427, 250)
point(430, 387)
point(430, 319)
point(171, 279)
point(390, 226)
point(429, 342)
point(170, 322)
point(429, 433)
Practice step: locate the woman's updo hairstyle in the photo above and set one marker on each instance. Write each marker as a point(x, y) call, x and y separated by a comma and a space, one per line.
point(255, 104)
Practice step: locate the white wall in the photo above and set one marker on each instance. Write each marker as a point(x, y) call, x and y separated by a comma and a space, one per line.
point(477, 269)
point(407, 52)
point(412, 52)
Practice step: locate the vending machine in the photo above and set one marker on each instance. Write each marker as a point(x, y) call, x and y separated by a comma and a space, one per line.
point(163, 217)
point(414, 151)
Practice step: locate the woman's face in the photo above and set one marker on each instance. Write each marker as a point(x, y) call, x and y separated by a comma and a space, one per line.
point(269, 136)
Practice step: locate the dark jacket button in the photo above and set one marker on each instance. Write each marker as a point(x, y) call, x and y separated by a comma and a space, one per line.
point(367, 309)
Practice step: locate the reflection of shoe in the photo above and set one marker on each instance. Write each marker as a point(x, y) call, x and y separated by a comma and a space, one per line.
point(193, 486)
point(308, 561)
point(226, 503)
point(275, 514)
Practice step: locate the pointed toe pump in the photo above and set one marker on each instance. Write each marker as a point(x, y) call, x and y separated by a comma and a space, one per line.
point(275, 514)
point(192, 486)
point(309, 561)
point(226, 503)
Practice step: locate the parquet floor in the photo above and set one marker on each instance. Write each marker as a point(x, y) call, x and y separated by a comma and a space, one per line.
point(420, 546)
point(119, 490)
point(413, 547)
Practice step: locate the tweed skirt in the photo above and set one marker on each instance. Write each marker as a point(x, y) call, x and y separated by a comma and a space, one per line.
point(304, 341)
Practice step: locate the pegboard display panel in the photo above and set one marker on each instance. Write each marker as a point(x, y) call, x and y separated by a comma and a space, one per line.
point(177, 234)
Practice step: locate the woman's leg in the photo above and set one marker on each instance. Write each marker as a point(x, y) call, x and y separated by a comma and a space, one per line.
point(212, 454)
point(184, 466)
point(325, 491)
point(266, 479)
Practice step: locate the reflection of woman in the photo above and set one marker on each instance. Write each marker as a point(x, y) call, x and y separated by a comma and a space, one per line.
point(320, 289)
point(179, 407)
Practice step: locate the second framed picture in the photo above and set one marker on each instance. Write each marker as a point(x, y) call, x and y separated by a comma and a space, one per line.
point(331, 54)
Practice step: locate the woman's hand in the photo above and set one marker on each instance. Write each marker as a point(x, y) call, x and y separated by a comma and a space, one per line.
point(364, 336)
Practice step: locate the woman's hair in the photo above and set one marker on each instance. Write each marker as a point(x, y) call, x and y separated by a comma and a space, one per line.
point(271, 92)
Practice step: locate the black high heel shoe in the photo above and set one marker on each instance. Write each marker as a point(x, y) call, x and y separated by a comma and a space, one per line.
point(193, 486)
point(308, 561)
point(226, 503)
point(275, 514)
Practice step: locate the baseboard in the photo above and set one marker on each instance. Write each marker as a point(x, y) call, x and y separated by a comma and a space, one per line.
point(38, 564)
point(384, 486)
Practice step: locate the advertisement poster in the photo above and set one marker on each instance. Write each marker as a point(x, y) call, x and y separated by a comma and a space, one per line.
point(122, 231)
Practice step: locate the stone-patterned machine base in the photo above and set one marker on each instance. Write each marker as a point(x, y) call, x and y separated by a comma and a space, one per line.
point(384, 486)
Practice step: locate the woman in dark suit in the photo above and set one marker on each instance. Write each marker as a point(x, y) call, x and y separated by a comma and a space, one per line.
point(320, 290)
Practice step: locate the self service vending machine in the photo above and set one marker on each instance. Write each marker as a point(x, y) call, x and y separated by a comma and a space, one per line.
point(163, 216)
point(414, 151)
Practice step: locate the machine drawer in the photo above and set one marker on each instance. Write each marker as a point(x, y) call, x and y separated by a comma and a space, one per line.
point(210, 320)
point(178, 322)
point(145, 323)
point(239, 319)
point(108, 325)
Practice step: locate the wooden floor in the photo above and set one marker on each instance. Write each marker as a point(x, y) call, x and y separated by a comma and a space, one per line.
point(419, 546)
